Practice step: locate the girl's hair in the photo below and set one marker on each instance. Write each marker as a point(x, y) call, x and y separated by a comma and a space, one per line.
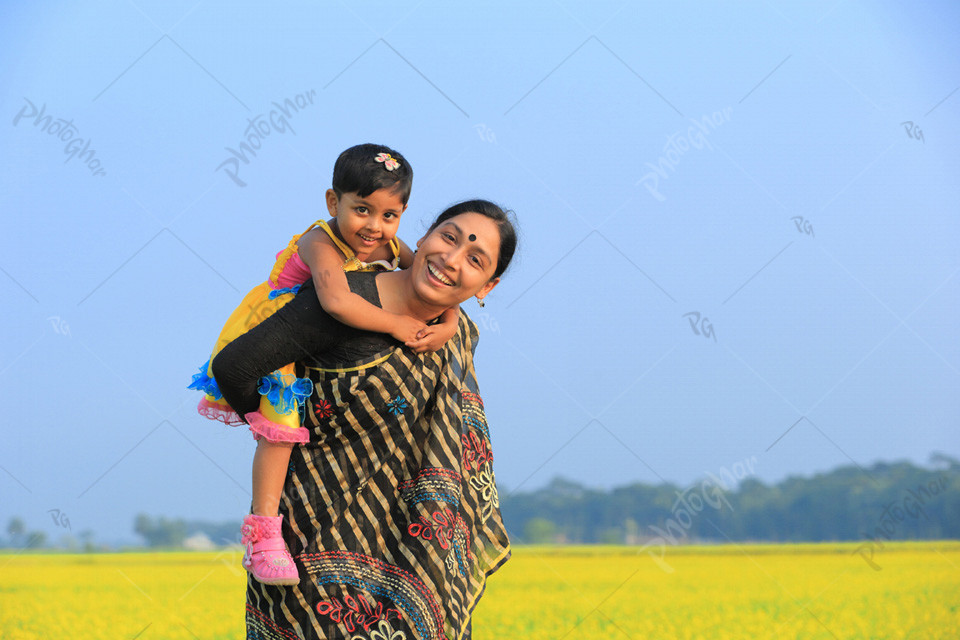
point(357, 171)
point(508, 234)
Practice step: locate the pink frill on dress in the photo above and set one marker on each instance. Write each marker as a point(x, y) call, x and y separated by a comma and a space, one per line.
point(273, 432)
point(215, 412)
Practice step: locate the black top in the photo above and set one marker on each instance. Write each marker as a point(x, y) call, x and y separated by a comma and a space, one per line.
point(300, 331)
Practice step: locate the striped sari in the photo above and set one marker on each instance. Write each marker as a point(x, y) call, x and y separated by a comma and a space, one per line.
point(391, 509)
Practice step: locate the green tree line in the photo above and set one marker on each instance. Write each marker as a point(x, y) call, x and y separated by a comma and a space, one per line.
point(887, 501)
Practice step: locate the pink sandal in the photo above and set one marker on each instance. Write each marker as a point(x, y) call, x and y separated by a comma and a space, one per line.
point(267, 557)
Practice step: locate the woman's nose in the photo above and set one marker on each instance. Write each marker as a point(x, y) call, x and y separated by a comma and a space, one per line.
point(453, 256)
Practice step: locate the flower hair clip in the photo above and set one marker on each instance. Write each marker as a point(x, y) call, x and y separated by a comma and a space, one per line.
point(389, 162)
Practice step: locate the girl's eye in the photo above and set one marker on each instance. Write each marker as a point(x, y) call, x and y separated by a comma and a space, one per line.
point(362, 210)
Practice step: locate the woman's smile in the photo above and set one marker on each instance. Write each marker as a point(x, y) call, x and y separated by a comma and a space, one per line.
point(437, 274)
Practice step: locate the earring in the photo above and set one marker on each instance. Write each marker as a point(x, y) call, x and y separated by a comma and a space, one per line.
point(480, 302)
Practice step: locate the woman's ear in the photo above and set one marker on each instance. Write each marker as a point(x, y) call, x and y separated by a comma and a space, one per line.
point(332, 201)
point(420, 241)
point(487, 288)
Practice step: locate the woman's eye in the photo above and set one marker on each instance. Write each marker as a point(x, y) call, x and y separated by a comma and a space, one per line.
point(476, 261)
point(448, 236)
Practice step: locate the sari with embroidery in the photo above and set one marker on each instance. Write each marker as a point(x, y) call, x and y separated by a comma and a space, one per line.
point(390, 510)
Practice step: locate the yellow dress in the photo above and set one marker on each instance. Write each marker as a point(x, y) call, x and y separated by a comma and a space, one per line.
point(282, 393)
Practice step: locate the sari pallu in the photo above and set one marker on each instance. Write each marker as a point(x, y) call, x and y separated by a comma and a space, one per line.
point(390, 510)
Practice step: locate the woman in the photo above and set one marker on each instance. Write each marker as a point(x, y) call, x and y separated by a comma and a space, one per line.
point(392, 510)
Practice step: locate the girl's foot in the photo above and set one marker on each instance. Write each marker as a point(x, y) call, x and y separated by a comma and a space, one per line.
point(267, 557)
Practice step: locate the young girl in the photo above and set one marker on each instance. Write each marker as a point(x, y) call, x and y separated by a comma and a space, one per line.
point(371, 186)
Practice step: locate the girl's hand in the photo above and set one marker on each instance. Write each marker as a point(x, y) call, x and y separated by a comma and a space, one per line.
point(426, 340)
point(433, 337)
point(405, 329)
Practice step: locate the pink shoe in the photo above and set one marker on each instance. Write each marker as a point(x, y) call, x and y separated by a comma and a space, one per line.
point(267, 557)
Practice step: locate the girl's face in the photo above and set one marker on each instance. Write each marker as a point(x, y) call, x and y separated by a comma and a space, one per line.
point(456, 260)
point(366, 223)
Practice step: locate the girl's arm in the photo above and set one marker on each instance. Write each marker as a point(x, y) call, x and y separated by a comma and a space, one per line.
point(436, 335)
point(297, 331)
point(406, 255)
point(326, 268)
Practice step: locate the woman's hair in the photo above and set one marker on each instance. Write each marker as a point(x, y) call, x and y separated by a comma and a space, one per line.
point(358, 171)
point(508, 234)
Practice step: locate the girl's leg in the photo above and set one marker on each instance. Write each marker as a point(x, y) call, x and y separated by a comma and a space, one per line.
point(267, 557)
point(270, 463)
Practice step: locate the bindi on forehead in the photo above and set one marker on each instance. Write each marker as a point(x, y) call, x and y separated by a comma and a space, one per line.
point(472, 237)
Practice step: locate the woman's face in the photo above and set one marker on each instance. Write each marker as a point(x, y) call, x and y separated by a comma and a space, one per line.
point(456, 260)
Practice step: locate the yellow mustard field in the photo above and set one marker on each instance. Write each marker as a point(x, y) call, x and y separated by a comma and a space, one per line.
point(907, 590)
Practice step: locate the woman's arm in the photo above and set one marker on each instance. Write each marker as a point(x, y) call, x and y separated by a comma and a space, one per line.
point(299, 330)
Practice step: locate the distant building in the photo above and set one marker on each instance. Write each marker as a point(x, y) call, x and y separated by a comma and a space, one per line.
point(199, 542)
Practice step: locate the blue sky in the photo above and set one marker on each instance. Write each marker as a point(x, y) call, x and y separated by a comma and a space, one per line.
point(732, 244)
